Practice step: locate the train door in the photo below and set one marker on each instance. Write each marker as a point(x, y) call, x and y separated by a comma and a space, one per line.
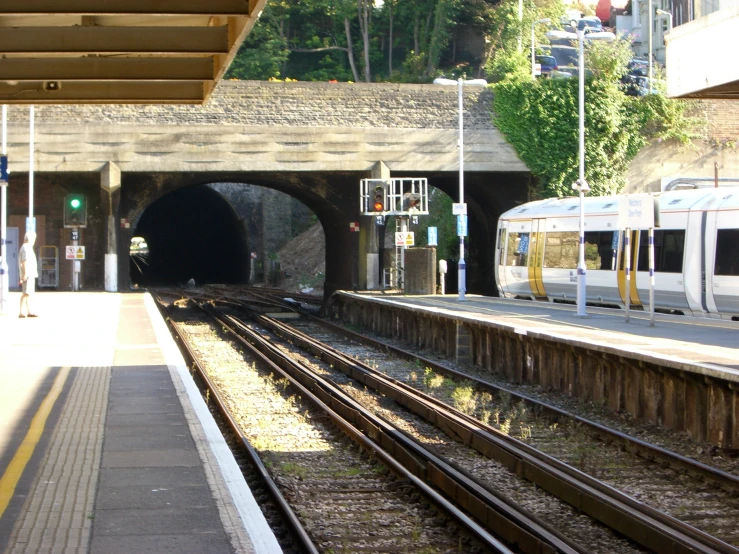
point(536, 258)
point(634, 251)
point(694, 265)
point(722, 262)
point(513, 268)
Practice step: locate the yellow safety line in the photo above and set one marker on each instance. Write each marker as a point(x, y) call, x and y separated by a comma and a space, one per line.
point(22, 456)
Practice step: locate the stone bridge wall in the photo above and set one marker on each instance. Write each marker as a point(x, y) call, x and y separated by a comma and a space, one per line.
point(296, 104)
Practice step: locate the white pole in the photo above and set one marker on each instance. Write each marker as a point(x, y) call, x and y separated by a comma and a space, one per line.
point(31, 148)
point(649, 19)
point(461, 273)
point(520, 23)
point(581, 266)
point(533, 56)
point(651, 276)
point(627, 266)
point(4, 276)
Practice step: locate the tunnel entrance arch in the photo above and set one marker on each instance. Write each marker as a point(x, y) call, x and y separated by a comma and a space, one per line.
point(191, 233)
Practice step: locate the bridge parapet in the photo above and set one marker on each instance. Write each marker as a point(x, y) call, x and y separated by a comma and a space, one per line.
point(263, 126)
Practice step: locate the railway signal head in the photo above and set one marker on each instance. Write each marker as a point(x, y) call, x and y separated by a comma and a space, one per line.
point(379, 199)
point(75, 210)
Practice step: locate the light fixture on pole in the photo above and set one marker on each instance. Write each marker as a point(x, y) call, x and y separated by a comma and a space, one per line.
point(581, 185)
point(668, 14)
point(546, 21)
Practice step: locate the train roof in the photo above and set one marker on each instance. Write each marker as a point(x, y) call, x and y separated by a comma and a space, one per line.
point(670, 201)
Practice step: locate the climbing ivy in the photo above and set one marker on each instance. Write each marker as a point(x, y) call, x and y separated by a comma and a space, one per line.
point(541, 120)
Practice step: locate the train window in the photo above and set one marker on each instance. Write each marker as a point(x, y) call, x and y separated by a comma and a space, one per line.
point(669, 245)
point(561, 250)
point(727, 252)
point(517, 252)
point(600, 251)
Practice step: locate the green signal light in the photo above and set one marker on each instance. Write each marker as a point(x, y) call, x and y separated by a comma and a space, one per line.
point(75, 203)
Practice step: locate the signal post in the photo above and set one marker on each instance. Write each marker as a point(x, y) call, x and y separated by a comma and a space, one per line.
point(75, 218)
point(405, 198)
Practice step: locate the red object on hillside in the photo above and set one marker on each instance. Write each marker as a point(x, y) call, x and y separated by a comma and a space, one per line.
point(603, 11)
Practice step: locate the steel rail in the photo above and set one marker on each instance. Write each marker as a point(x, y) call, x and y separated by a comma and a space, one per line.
point(341, 415)
point(530, 534)
point(727, 481)
point(651, 528)
point(293, 522)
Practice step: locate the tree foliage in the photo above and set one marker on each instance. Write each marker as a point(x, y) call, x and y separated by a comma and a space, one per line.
point(398, 40)
point(541, 120)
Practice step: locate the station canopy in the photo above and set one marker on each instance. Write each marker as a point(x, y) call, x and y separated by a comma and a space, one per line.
point(119, 51)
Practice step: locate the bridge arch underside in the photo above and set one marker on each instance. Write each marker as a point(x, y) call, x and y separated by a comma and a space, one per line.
point(168, 207)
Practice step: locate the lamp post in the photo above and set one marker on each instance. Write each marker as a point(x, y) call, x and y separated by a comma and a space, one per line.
point(649, 55)
point(668, 14)
point(462, 213)
point(520, 23)
point(546, 21)
point(581, 185)
point(461, 268)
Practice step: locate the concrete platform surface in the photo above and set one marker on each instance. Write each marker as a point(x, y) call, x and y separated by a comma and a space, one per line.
point(709, 344)
point(105, 443)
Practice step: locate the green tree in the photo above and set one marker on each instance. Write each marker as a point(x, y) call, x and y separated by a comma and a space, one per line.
point(265, 49)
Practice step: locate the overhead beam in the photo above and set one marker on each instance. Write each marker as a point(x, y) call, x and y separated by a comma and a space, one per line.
point(103, 68)
point(116, 92)
point(76, 40)
point(124, 7)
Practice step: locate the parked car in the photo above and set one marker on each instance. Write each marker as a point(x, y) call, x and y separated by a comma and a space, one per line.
point(589, 24)
point(638, 66)
point(636, 85)
point(548, 64)
point(570, 17)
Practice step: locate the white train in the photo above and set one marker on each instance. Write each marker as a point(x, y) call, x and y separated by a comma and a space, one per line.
point(696, 253)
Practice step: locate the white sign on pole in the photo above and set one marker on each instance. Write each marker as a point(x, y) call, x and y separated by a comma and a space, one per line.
point(459, 208)
point(75, 252)
point(405, 238)
point(537, 69)
point(636, 211)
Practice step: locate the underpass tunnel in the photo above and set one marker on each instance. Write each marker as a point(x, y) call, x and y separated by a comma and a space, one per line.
point(191, 233)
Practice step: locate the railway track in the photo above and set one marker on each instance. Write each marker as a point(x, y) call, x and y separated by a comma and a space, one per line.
point(652, 529)
point(346, 501)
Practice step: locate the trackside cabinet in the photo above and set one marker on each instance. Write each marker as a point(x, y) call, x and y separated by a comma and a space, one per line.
point(48, 275)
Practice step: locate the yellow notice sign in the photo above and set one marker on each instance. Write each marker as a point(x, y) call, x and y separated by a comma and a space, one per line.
point(75, 252)
point(405, 238)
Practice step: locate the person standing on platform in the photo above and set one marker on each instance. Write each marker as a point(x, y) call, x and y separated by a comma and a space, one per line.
point(28, 271)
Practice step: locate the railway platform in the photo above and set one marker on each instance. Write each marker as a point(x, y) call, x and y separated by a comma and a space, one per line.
point(682, 373)
point(706, 342)
point(106, 445)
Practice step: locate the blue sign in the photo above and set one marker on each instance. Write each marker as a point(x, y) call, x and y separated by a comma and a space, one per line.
point(433, 237)
point(523, 244)
point(4, 169)
point(614, 241)
point(461, 225)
